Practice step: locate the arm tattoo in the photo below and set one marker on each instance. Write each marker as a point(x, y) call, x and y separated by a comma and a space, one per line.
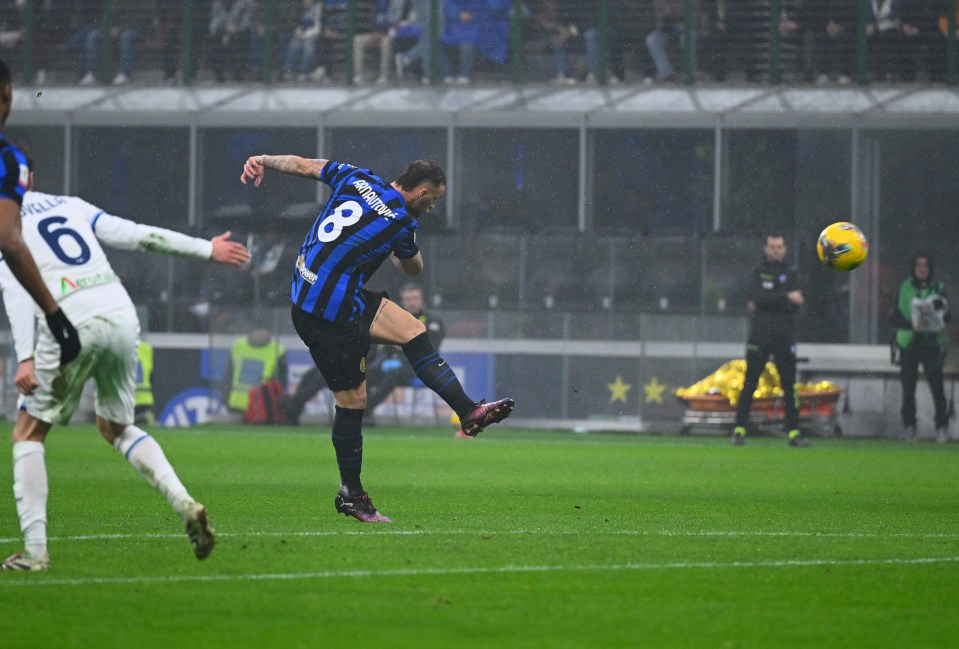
point(291, 164)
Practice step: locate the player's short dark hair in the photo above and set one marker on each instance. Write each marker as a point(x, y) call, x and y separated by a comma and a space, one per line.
point(420, 171)
point(775, 234)
point(5, 78)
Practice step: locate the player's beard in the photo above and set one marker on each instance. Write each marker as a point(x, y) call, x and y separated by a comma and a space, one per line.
point(416, 209)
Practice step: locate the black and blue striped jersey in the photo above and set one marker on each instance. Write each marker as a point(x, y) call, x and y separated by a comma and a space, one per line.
point(14, 172)
point(362, 223)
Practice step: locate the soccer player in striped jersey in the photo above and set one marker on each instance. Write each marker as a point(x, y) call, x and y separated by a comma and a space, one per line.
point(64, 234)
point(14, 176)
point(364, 222)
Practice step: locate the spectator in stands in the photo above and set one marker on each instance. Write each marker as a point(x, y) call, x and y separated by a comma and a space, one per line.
point(53, 28)
point(791, 38)
point(300, 59)
point(84, 18)
point(712, 46)
point(168, 27)
point(228, 41)
point(132, 20)
point(472, 27)
point(11, 23)
point(670, 28)
point(743, 31)
point(830, 35)
point(920, 316)
point(575, 22)
point(421, 52)
point(372, 32)
point(896, 44)
point(392, 29)
point(939, 43)
point(332, 44)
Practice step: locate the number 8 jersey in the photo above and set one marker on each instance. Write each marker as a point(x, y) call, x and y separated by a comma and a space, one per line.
point(63, 233)
point(362, 223)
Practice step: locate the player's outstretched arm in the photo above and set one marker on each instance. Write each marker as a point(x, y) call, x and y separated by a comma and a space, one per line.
point(255, 167)
point(125, 234)
point(228, 252)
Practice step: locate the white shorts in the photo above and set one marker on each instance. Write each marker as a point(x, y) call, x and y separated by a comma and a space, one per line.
point(108, 356)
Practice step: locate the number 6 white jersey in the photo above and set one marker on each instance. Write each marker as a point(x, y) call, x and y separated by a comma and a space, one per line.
point(63, 233)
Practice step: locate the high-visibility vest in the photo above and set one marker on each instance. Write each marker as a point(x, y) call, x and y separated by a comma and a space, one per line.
point(144, 393)
point(252, 366)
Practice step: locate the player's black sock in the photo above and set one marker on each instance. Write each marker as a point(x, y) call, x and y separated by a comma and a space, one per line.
point(348, 443)
point(435, 374)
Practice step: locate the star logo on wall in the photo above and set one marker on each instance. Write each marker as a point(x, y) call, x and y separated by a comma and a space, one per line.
point(654, 391)
point(618, 389)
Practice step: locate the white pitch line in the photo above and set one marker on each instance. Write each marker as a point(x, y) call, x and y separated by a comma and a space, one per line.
point(368, 532)
point(477, 570)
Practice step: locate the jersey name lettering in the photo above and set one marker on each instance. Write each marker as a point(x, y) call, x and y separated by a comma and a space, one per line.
point(373, 199)
point(41, 206)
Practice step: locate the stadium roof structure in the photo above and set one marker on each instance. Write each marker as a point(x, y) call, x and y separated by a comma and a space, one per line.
point(530, 106)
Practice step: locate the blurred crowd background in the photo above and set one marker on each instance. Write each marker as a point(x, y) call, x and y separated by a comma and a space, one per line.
point(479, 41)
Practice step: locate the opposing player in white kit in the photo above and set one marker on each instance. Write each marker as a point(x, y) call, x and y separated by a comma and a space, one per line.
point(62, 232)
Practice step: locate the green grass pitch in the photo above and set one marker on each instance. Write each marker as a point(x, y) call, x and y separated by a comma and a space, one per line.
point(515, 539)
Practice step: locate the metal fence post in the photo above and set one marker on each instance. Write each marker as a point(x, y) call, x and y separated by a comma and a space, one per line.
point(433, 64)
point(689, 47)
point(516, 52)
point(775, 14)
point(186, 44)
point(106, 41)
point(266, 57)
point(350, 35)
point(29, 36)
point(951, 26)
point(603, 41)
point(862, 51)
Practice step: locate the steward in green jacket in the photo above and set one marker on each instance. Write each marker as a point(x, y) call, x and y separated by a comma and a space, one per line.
point(920, 316)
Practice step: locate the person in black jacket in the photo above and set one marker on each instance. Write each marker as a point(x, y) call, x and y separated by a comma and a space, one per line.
point(774, 301)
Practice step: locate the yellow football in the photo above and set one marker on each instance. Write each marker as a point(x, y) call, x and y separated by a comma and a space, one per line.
point(842, 246)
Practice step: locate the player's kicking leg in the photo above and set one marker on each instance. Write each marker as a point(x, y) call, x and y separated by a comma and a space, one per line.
point(395, 325)
point(145, 455)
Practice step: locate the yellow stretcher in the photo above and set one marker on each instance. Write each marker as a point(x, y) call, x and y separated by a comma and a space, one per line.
point(711, 403)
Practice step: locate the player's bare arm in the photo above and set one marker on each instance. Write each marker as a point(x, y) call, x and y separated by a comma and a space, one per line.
point(228, 252)
point(17, 255)
point(255, 167)
point(412, 266)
